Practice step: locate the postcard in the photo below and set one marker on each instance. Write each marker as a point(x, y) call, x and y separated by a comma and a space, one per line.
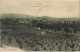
point(39, 25)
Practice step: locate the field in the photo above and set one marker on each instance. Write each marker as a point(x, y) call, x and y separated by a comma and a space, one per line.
point(41, 34)
point(27, 38)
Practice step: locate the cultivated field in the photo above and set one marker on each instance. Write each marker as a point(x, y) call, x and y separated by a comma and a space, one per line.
point(36, 36)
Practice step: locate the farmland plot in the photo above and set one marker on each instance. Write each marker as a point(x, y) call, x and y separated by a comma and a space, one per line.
point(41, 34)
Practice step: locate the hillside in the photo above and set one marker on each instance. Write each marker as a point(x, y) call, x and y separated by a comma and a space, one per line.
point(40, 33)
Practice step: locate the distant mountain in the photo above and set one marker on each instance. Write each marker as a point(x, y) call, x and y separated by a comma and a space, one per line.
point(29, 16)
point(15, 16)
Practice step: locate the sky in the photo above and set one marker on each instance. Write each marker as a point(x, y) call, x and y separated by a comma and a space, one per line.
point(53, 8)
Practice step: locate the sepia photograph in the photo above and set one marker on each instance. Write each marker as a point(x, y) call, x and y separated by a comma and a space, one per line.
point(39, 25)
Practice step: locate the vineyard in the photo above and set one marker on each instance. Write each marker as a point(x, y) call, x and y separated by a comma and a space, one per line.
point(41, 34)
point(31, 39)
